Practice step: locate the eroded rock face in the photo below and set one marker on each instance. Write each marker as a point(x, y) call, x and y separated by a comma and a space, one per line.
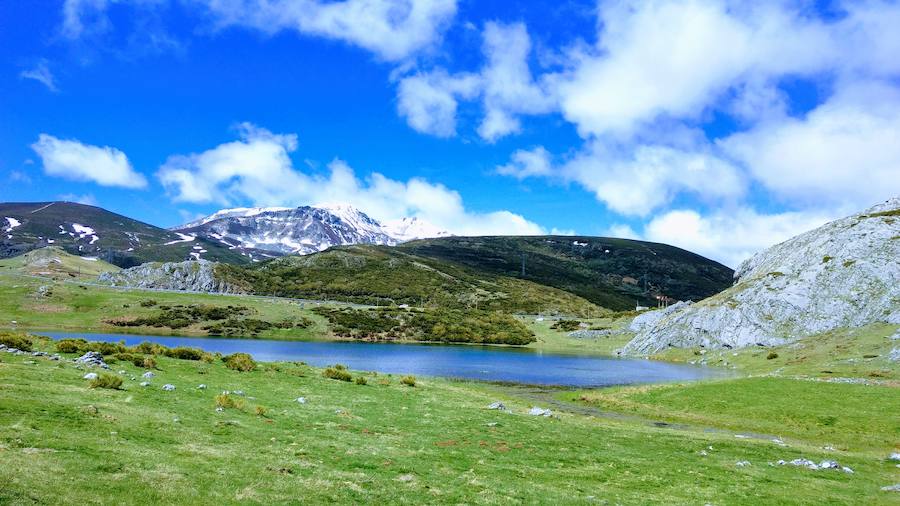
point(843, 274)
point(194, 275)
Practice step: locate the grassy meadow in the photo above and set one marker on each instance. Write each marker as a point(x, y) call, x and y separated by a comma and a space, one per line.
point(385, 442)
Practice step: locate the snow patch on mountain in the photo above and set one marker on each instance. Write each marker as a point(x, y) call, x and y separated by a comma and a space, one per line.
point(11, 224)
point(184, 238)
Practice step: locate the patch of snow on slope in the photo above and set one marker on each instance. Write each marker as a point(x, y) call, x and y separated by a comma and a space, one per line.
point(184, 238)
point(82, 230)
point(12, 223)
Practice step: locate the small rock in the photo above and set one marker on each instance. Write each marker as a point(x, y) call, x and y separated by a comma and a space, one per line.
point(891, 488)
point(176, 420)
point(536, 411)
point(742, 463)
point(491, 424)
point(894, 456)
point(92, 359)
point(406, 478)
point(497, 405)
point(145, 383)
point(239, 392)
point(90, 376)
point(219, 409)
point(148, 375)
point(301, 400)
point(703, 453)
point(201, 387)
point(168, 387)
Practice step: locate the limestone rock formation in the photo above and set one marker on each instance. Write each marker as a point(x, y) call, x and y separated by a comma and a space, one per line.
point(193, 275)
point(843, 274)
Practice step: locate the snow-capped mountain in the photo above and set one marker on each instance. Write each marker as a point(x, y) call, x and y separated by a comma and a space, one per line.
point(407, 229)
point(274, 231)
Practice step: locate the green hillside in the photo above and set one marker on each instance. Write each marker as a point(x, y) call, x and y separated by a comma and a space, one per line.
point(571, 275)
point(384, 275)
point(91, 231)
point(613, 273)
point(55, 263)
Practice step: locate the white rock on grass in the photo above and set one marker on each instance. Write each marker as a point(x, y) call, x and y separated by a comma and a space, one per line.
point(301, 400)
point(894, 456)
point(842, 274)
point(742, 463)
point(201, 387)
point(168, 387)
point(891, 488)
point(148, 375)
point(90, 376)
point(145, 383)
point(497, 405)
point(536, 411)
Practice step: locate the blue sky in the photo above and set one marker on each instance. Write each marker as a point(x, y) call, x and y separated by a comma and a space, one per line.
point(715, 126)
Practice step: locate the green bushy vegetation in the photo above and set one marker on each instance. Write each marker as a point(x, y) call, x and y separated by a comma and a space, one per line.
point(239, 362)
point(450, 326)
point(16, 340)
point(337, 372)
point(104, 380)
point(409, 381)
point(566, 325)
point(131, 353)
point(180, 316)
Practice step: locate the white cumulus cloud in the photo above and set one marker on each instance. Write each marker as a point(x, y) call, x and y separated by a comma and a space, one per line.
point(391, 29)
point(258, 169)
point(70, 159)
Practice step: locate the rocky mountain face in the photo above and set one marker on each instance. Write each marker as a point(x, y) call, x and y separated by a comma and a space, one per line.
point(275, 231)
point(843, 274)
point(89, 231)
point(195, 276)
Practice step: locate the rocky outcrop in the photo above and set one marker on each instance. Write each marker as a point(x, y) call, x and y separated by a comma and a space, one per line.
point(194, 275)
point(843, 274)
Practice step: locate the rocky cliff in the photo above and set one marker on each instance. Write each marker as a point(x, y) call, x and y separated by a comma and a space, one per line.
point(843, 274)
point(197, 276)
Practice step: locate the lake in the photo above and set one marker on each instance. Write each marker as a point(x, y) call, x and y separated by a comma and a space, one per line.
point(485, 363)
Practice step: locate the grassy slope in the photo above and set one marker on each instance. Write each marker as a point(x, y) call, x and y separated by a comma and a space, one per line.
point(116, 234)
point(385, 275)
point(75, 308)
point(56, 263)
point(62, 442)
point(595, 271)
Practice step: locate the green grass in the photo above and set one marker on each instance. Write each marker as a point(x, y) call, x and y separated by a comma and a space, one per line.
point(64, 442)
point(856, 418)
point(557, 341)
point(74, 307)
point(843, 353)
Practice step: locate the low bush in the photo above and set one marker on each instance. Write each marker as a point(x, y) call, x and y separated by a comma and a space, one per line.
point(239, 362)
point(148, 303)
point(260, 411)
point(337, 373)
point(16, 340)
point(185, 353)
point(110, 381)
point(145, 362)
point(360, 380)
point(409, 381)
point(226, 401)
point(566, 325)
point(771, 355)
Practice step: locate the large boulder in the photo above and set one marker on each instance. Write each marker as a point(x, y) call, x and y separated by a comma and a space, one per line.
point(843, 274)
point(192, 275)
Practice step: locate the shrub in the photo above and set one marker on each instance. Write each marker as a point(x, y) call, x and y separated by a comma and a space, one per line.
point(361, 380)
point(145, 362)
point(239, 362)
point(185, 353)
point(226, 401)
point(148, 303)
point(337, 373)
point(14, 340)
point(260, 411)
point(771, 355)
point(566, 325)
point(70, 345)
point(104, 380)
point(409, 381)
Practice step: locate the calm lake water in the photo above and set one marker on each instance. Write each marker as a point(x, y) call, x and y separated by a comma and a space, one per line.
point(471, 362)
